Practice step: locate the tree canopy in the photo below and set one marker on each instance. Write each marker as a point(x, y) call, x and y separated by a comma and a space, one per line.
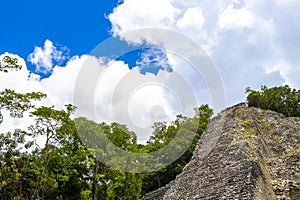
point(282, 99)
point(8, 63)
point(48, 159)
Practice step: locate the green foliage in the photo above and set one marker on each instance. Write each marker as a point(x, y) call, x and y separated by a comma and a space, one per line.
point(9, 63)
point(54, 170)
point(17, 103)
point(86, 195)
point(108, 183)
point(280, 99)
point(163, 134)
point(61, 167)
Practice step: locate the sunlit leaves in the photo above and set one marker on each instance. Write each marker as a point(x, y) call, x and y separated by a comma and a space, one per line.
point(49, 160)
point(185, 130)
point(281, 99)
point(8, 63)
point(17, 103)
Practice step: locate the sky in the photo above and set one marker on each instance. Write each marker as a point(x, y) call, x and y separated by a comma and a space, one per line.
point(250, 43)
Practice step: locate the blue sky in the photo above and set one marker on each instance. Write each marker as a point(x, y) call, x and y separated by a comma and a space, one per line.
point(79, 25)
point(250, 42)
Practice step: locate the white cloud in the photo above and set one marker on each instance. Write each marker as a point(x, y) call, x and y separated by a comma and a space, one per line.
point(133, 14)
point(132, 98)
point(16, 80)
point(153, 60)
point(22, 80)
point(121, 94)
point(192, 18)
point(233, 18)
point(44, 58)
point(251, 42)
point(58, 87)
point(285, 2)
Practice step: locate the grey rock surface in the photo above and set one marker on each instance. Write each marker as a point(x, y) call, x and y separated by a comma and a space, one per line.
point(245, 153)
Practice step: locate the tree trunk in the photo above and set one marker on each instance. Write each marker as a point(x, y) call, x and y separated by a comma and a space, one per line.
point(95, 187)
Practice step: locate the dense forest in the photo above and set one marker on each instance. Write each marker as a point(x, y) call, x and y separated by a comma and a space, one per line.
point(64, 168)
point(282, 99)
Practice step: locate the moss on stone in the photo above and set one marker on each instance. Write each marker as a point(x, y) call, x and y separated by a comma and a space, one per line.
point(291, 153)
point(247, 121)
point(257, 148)
point(277, 138)
point(239, 111)
point(251, 132)
point(265, 125)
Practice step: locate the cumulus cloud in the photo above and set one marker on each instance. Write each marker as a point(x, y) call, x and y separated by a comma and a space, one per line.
point(235, 17)
point(23, 80)
point(133, 14)
point(127, 96)
point(120, 94)
point(16, 80)
point(251, 42)
point(152, 60)
point(44, 58)
point(58, 87)
point(192, 18)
